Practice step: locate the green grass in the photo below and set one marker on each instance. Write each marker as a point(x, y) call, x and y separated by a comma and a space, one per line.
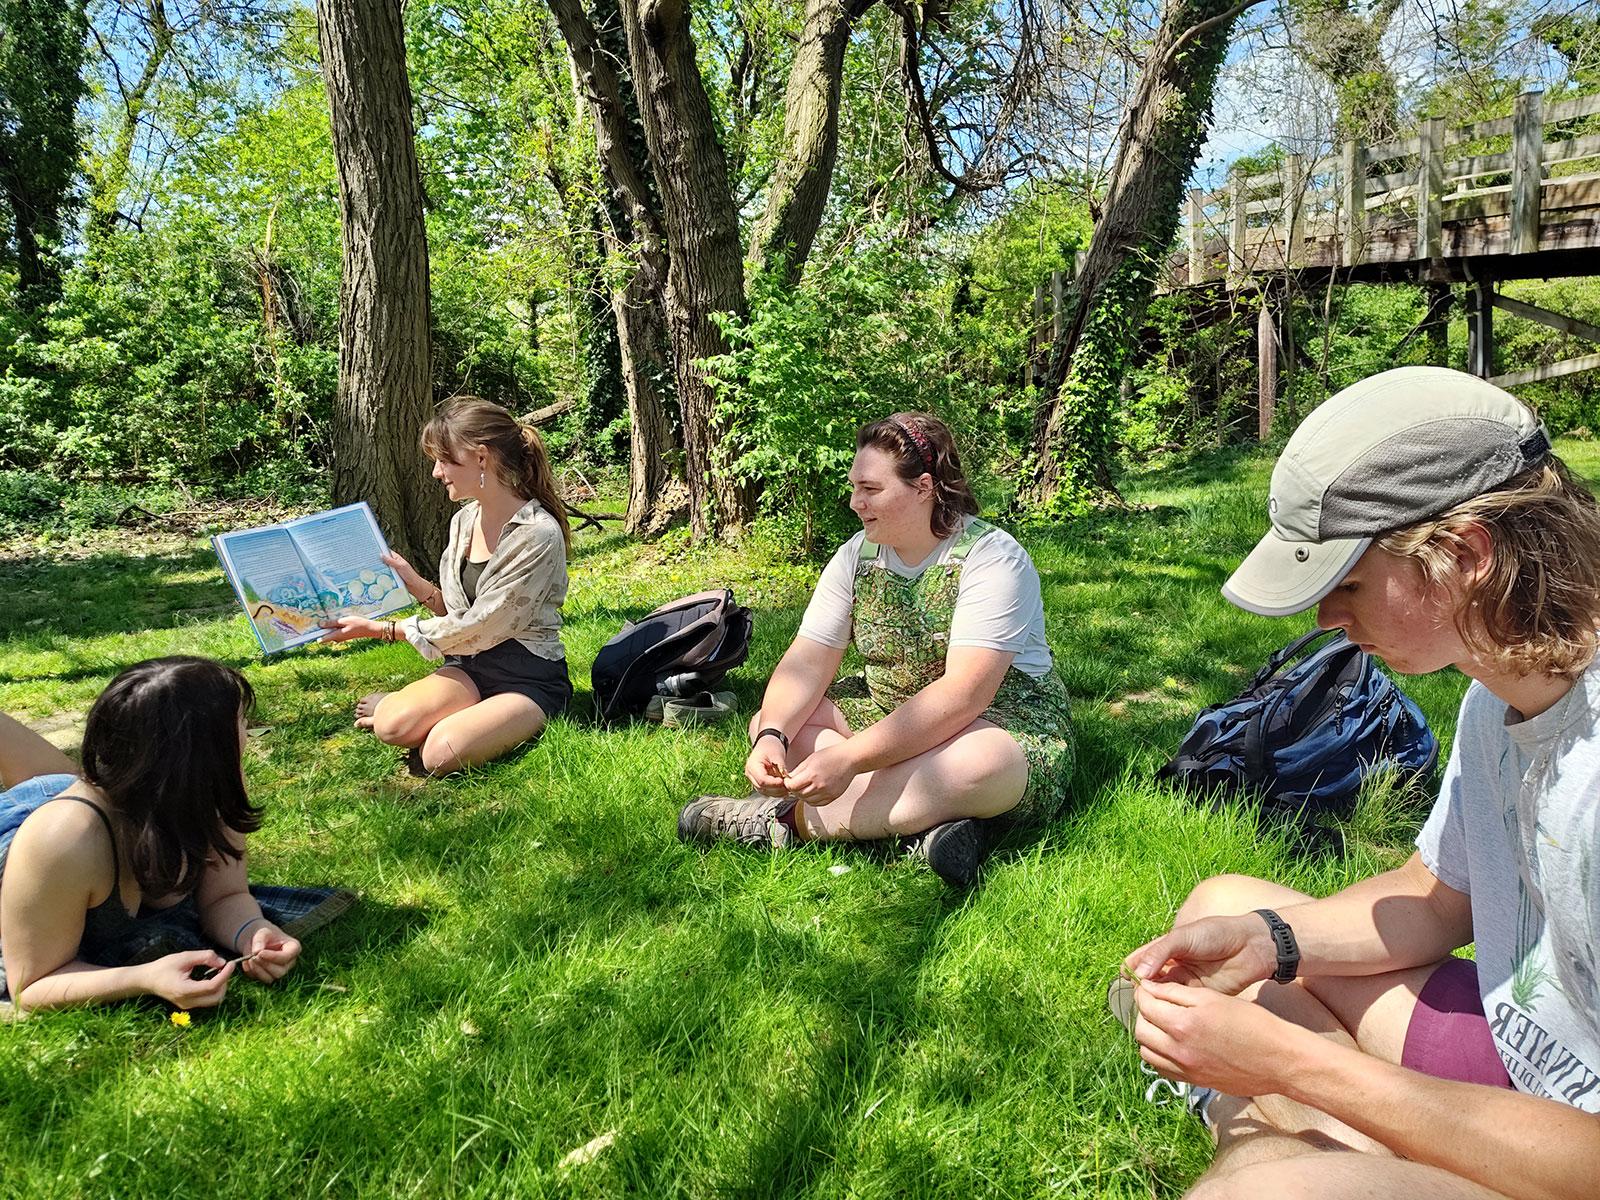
point(538, 962)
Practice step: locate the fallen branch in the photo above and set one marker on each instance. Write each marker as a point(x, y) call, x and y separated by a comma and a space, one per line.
point(543, 416)
point(587, 519)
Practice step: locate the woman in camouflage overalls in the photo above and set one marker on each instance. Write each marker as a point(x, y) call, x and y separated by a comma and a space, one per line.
point(959, 715)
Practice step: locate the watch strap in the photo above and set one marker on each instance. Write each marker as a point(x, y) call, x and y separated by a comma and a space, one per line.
point(1283, 941)
point(772, 731)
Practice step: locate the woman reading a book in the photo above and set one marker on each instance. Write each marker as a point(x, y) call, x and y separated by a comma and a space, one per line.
point(124, 876)
point(496, 623)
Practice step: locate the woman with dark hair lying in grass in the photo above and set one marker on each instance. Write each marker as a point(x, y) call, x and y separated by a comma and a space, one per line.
point(122, 878)
point(963, 717)
point(1338, 1047)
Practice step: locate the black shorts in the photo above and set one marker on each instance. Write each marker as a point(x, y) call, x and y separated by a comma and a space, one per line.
point(512, 667)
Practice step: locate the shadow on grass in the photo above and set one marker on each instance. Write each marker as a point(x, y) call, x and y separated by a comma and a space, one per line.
point(109, 592)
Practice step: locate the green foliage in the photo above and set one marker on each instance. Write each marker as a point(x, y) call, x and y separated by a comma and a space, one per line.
point(801, 390)
point(41, 60)
point(155, 365)
point(993, 299)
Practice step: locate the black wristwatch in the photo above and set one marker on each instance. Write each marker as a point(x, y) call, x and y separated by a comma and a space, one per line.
point(1283, 940)
point(772, 731)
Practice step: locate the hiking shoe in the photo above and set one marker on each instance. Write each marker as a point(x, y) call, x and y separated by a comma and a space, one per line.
point(1161, 1091)
point(753, 821)
point(704, 708)
point(955, 850)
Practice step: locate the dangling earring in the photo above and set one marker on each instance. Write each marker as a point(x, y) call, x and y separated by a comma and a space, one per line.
point(481, 480)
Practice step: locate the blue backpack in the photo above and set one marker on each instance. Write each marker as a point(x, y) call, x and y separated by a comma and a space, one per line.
point(1305, 733)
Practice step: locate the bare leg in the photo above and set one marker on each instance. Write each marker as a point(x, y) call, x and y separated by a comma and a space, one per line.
point(24, 754)
point(480, 733)
point(980, 772)
point(1270, 1145)
point(1339, 1177)
point(406, 717)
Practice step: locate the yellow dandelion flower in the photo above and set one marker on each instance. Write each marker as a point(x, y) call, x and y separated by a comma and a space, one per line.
point(181, 1019)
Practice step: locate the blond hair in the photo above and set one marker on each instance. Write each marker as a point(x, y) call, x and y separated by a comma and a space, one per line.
point(1537, 608)
point(517, 453)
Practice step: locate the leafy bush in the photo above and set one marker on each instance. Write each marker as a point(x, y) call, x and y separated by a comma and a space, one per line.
point(862, 338)
point(155, 365)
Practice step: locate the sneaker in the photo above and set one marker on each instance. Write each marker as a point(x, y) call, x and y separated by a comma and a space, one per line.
point(704, 708)
point(955, 850)
point(754, 821)
point(1161, 1091)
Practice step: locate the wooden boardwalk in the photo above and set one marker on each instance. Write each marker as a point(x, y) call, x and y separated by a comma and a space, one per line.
point(1513, 198)
point(1517, 197)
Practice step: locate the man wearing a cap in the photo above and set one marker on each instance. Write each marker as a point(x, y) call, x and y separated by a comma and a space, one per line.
point(1422, 512)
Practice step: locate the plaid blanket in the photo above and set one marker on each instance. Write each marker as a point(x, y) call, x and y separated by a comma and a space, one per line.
point(298, 911)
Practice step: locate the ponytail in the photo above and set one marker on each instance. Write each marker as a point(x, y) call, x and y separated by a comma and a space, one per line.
point(537, 481)
point(517, 451)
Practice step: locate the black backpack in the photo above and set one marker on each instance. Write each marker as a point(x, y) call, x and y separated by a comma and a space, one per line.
point(1307, 730)
point(680, 649)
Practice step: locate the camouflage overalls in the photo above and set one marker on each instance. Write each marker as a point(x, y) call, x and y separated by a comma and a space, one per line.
point(901, 627)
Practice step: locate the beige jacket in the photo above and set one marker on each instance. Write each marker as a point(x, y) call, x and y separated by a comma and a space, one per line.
point(519, 594)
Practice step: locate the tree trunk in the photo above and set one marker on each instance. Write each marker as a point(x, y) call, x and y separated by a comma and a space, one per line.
point(384, 394)
point(705, 270)
point(1163, 130)
point(106, 182)
point(800, 182)
point(1343, 42)
point(633, 233)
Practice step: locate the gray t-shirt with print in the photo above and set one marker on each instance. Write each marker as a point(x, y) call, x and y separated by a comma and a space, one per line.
point(1515, 827)
point(998, 603)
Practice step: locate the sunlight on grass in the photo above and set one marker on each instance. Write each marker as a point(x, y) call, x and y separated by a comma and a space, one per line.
point(538, 966)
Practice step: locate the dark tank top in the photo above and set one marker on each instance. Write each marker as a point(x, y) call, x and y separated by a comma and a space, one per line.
point(108, 926)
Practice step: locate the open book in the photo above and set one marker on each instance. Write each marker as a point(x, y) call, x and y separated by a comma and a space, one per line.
point(292, 577)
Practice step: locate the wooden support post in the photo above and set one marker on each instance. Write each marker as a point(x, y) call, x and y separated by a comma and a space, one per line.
point(1267, 368)
point(1480, 329)
point(1286, 367)
point(1532, 312)
point(1355, 203)
point(1527, 171)
point(1293, 186)
point(1437, 324)
point(1240, 226)
point(1033, 335)
point(1197, 237)
point(1430, 189)
point(1058, 320)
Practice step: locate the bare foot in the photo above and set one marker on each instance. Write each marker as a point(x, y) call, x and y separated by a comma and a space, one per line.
point(366, 707)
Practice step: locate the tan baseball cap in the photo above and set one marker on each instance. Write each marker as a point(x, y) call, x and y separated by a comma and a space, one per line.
point(1392, 450)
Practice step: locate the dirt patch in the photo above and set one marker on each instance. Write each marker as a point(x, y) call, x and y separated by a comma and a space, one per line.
point(64, 731)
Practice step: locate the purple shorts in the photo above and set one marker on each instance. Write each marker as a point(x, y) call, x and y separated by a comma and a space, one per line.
point(1449, 1037)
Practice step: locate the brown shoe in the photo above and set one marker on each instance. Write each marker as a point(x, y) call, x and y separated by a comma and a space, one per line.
point(753, 821)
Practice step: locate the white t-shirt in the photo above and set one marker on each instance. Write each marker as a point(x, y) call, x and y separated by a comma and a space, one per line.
point(1516, 828)
point(998, 602)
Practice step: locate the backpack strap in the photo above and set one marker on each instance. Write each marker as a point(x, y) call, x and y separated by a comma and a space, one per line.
point(1289, 653)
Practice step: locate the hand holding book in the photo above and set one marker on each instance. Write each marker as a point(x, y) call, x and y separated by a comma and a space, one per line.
point(294, 578)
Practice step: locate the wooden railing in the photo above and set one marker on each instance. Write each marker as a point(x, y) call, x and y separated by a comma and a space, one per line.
point(1503, 186)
